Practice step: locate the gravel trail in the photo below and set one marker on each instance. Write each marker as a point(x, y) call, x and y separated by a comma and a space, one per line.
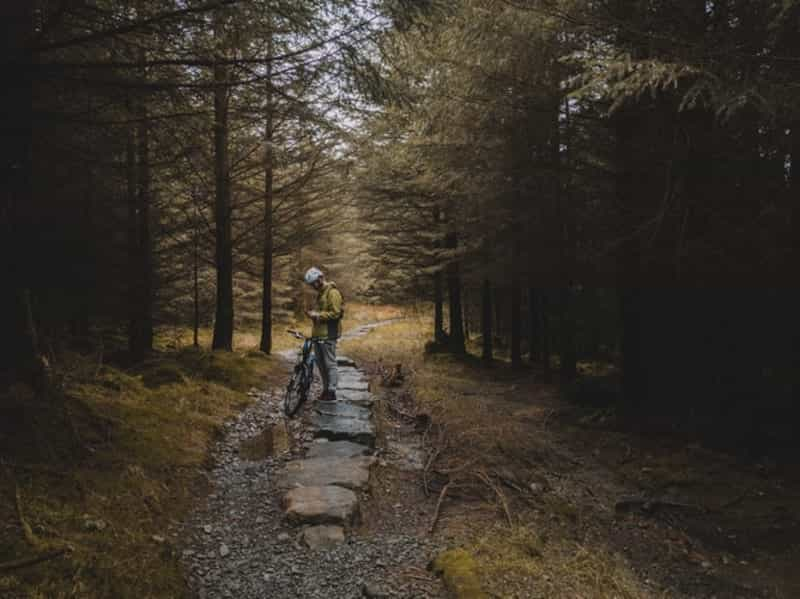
point(238, 543)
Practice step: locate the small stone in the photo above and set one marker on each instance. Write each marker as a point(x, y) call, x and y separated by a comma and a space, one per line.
point(158, 538)
point(284, 536)
point(323, 536)
point(536, 488)
point(224, 551)
point(372, 591)
point(97, 525)
point(207, 529)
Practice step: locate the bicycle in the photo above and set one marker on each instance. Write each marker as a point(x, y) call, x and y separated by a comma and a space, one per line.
point(303, 374)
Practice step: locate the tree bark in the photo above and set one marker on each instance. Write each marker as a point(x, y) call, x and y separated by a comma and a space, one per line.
point(269, 166)
point(486, 321)
point(456, 337)
point(131, 180)
point(141, 327)
point(516, 304)
point(534, 324)
point(223, 322)
point(547, 369)
point(196, 271)
point(438, 307)
point(438, 292)
point(567, 351)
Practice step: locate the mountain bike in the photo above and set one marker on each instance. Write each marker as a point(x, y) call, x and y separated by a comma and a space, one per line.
point(303, 374)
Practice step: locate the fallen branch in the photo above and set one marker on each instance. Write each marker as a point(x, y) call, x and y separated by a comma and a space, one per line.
point(30, 561)
point(438, 507)
point(649, 506)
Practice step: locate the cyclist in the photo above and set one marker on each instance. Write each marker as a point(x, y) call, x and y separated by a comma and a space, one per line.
point(326, 329)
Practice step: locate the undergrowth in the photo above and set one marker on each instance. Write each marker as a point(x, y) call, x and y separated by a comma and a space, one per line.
point(106, 470)
point(100, 473)
point(487, 446)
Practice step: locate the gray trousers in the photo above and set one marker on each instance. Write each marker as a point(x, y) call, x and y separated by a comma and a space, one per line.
point(325, 351)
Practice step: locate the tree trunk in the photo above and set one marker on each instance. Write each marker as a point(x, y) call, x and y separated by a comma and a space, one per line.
point(456, 337)
point(131, 179)
point(196, 271)
point(439, 336)
point(567, 352)
point(534, 324)
point(269, 166)
point(516, 304)
point(144, 337)
point(634, 376)
point(486, 321)
point(223, 322)
point(547, 372)
point(438, 307)
point(141, 328)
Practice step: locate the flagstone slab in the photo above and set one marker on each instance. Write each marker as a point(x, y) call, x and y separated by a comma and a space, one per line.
point(321, 505)
point(342, 409)
point(351, 384)
point(360, 398)
point(350, 473)
point(322, 448)
point(334, 428)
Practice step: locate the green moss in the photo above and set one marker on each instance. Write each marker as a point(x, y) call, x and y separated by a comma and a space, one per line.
point(459, 571)
point(162, 373)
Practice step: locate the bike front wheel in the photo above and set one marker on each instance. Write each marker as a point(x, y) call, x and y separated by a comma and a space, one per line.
point(296, 392)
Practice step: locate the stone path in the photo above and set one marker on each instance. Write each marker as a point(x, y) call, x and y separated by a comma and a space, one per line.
point(323, 485)
point(291, 509)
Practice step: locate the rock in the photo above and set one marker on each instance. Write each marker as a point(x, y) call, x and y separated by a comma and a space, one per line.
point(536, 488)
point(284, 536)
point(224, 551)
point(372, 591)
point(321, 505)
point(207, 529)
point(344, 429)
point(360, 398)
point(342, 410)
point(345, 361)
point(352, 384)
point(322, 448)
point(323, 536)
point(93, 525)
point(351, 473)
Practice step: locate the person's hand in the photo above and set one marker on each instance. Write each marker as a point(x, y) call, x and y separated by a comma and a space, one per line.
point(313, 314)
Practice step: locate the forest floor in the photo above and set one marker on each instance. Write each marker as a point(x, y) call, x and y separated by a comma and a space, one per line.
point(519, 493)
point(543, 498)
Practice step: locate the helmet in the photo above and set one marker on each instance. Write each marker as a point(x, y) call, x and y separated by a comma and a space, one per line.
point(312, 274)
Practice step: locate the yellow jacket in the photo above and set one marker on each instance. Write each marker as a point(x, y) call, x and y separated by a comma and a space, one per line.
point(330, 306)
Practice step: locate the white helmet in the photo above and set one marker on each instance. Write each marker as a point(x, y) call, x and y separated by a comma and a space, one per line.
point(312, 274)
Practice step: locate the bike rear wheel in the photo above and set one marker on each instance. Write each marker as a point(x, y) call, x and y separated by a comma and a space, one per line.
point(296, 391)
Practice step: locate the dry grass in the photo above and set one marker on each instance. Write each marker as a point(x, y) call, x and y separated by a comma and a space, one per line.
point(148, 432)
point(486, 444)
